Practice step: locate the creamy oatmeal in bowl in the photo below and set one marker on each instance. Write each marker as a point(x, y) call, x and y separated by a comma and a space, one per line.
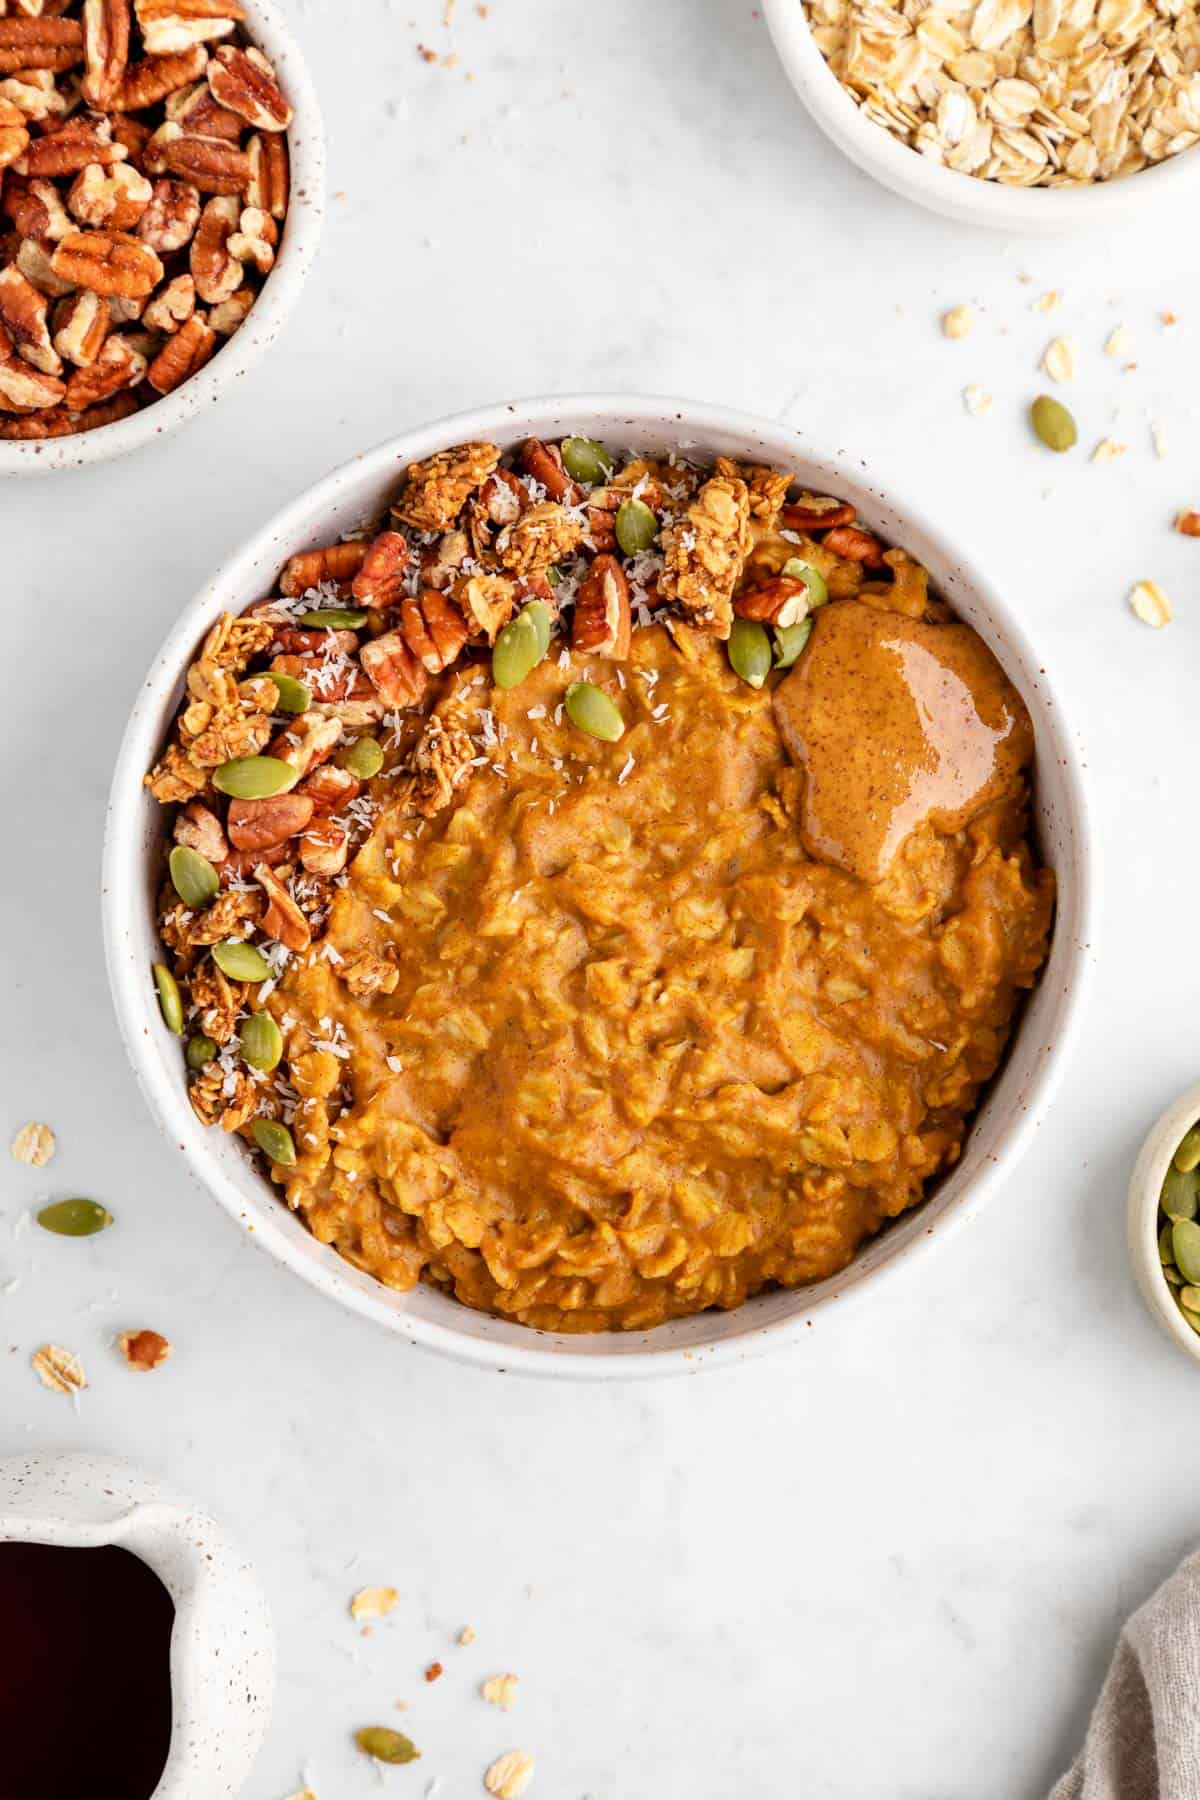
point(602, 885)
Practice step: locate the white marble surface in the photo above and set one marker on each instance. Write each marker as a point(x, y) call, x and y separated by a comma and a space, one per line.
point(890, 1565)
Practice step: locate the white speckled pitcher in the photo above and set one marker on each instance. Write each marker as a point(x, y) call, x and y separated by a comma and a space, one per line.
point(222, 1643)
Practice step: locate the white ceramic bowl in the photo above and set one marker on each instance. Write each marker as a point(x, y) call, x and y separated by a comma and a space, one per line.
point(1141, 1217)
point(265, 25)
point(132, 866)
point(1165, 188)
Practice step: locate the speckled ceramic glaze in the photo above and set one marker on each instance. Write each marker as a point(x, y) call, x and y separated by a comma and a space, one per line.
point(1015, 1103)
point(222, 1644)
point(266, 26)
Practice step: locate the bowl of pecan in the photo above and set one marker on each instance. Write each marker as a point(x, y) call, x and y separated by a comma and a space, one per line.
point(594, 884)
point(161, 194)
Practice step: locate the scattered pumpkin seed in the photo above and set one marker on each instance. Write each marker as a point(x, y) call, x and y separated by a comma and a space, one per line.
point(590, 709)
point(520, 647)
point(169, 998)
point(1180, 1195)
point(585, 459)
point(294, 696)
point(193, 877)
point(200, 1051)
point(364, 758)
point(1185, 1240)
point(275, 1141)
point(75, 1218)
point(796, 569)
point(333, 618)
point(240, 961)
point(636, 526)
point(790, 641)
point(1187, 1157)
point(750, 651)
point(386, 1745)
point(261, 1042)
point(255, 777)
point(1053, 424)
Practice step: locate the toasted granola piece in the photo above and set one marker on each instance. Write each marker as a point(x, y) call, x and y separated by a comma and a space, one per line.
point(486, 602)
point(379, 581)
point(704, 553)
point(602, 625)
point(436, 490)
point(501, 500)
point(232, 915)
point(434, 629)
point(283, 919)
point(543, 535)
point(217, 1000)
point(442, 764)
point(369, 974)
point(394, 671)
point(334, 563)
point(233, 642)
point(767, 487)
point(212, 1104)
point(229, 733)
point(176, 779)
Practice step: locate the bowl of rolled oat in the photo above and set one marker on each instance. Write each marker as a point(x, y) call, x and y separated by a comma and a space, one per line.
point(161, 200)
point(1019, 116)
point(539, 908)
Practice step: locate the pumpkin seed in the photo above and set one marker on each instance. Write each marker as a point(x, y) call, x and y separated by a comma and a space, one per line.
point(261, 1042)
point(193, 877)
point(590, 709)
point(275, 1141)
point(75, 1218)
point(796, 569)
point(333, 618)
point(750, 651)
point(1053, 423)
point(1185, 1240)
point(169, 998)
point(521, 645)
point(1189, 1297)
point(1166, 1253)
point(1172, 1274)
point(386, 1745)
point(1187, 1157)
point(790, 641)
point(364, 758)
point(255, 777)
point(637, 526)
point(200, 1051)
point(1193, 1319)
point(240, 961)
point(539, 614)
point(294, 696)
point(586, 460)
point(1180, 1195)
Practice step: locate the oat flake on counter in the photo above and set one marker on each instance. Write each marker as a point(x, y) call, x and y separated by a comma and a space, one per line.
point(1151, 604)
point(34, 1145)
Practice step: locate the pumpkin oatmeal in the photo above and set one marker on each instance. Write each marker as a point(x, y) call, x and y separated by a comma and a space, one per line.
point(631, 915)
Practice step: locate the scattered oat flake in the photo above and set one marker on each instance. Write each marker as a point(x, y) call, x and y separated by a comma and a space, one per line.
point(959, 322)
point(373, 1602)
point(58, 1369)
point(501, 1691)
point(510, 1775)
point(467, 1635)
point(977, 401)
point(1119, 341)
point(144, 1350)
point(34, 1145)
point(1158, 437)
point(1108, 450)
point(1048, 301)
point(1151, 604)
point(1058, 359)
point(1188, 523)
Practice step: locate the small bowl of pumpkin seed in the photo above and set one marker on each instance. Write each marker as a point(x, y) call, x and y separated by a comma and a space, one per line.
point(1164, 1220)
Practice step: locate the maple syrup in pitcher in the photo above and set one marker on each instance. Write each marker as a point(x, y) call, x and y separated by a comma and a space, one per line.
point(85, 1680)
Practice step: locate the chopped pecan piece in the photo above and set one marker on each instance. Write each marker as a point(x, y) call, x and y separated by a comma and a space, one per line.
point(182, 356)
point(269, 178)
point(14, 133)
point(36, 209)
point(172, 306)
point(486, 602)
point(230, 314)
point(379, 582)
point(543, 535)
point(603, 625)
point(855, 546)
point(704, 553)
point(394, 671)
point(39, 43)
point(337, 563)
point(195, 111)
point(23, 316)
point(783, 601)
point(144, 84)
point(283, 919)
point(308, 740)
point(116, 197)
point(1188, 523)
point(108, 262)
point(116, 367)
point(200, 829)
point(816, 512)
point(24, 389)
point(245, 82)
point(434, 628)
point(324, 847)
point(170, 26)
point(442, 764)
point(330, 677)
point(105, 49)
point(61, 423)
point(544, 462)
point(330, 788)
point(132, 136)
point(216, 272)
point(255, 239)
point(34, 93)
point(81, 324)
point(436, 490)
point(442, 563)
point(170, 219)
point(144, 1350)
point(212, 164)
point(499, 502)
point(34, 262)
point(300, 640)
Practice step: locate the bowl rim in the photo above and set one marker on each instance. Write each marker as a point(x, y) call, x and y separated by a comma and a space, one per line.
point(266, 26)
point(123, 887)
point(1141, 1217)
point(966, 198)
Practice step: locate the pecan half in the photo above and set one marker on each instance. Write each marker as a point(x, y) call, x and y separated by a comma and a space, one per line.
point(232, 313)
point(182, 356)
point(34, 262)
point(270, 176)
point(212, 164)
point(116, 197)
point(117, 366)
point(172, 306)
point(543, 535)
point(14, 133)
point(61, 423)
point(24, 389)
point(40, 44)
point(105, 49)
point(324, 847)
point(71, 147)
point(262, 824)
point(855, 546)
point(108, 262)
point(816, 512)
point(216, 273)
point(36, 209)
point(394, 671)
point(171, 217)
point(23, 316)
point(81, 323)
point(337, 563)
point(34, 92)
point(434, 628)
point(157, 78)
point(197, 113)
point(544, 462)
point(783, 601)
point(245, 82)
point(603, 624)
point(299, 640)
point(131, 134)
point(169, 26)
point(283, 919)
point(379, 581)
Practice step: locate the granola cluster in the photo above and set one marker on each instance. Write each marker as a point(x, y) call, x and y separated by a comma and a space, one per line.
point(340, 687)
point(143, 188)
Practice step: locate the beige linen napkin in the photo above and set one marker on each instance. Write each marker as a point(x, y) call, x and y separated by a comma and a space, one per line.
point(1143, 1742)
